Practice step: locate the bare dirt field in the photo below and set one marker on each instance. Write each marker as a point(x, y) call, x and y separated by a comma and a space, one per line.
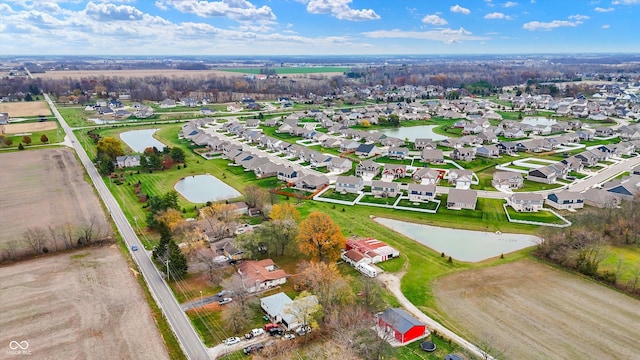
point(43, 188)
point(80, 305)
point(30, 127)
point(27, 108)
point(533, 311)
point(79, 74)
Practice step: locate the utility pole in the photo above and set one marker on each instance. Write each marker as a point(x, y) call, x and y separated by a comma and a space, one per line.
point(168, 272)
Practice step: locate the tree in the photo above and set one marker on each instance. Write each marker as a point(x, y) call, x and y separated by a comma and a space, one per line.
point(207, 257)
point(111, 147)
point(365, 123)
point(325, 281)
point(218, 220)
point(44, 139)
point(160, 251)
point(170, 217)
point(176, 268)
point(255, 196)
point(284, 211)
point(394, 120)
point(105, 165)
point(177, 154)
point(35, 238)
point(234, 318)
point(280, 234)
point(167, 162)
point(241, 296)
point(20, 146)
point(26, 140)
point(320, 237)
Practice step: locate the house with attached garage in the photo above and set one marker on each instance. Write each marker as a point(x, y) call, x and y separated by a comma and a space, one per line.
point(366, 150)
point(507, 180)
point(394, 171)
point(462, 179)
point(260, 275)
point(464, 154)
point(427, 176)
point(349, 184)
point(397, 153)
point(368, 168)
point(432, 156)
point(281, 309)
point(488, 151)
point(526, 202)
point(381, 188)
point(421, 193)
point(459, 199)
point(338, 164)
point(311, 182)
point(565, 200)
point(127, 161)
point(542, 175)
point(422, 143)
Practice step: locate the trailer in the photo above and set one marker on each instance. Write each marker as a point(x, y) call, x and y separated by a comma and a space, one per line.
point(367, 270)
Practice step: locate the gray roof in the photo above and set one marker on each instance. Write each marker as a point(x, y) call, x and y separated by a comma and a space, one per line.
point(348, 180)
point(275, 303)
point(399, 319)
point(462, 196)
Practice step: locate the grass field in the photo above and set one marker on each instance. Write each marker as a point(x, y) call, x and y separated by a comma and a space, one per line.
point(541, 216)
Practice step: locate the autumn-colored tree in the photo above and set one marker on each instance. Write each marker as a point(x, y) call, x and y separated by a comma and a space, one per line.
point(255, 196)
point(365, 123)
point(44, 139)
point(167, 162)
point(218, 220)
point(172, 218)
point(110, 147)
point(320, 237)
point(284, 211)
point(26, 140)
point(324, 280)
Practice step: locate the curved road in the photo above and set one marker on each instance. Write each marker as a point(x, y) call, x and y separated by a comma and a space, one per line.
point(180, 324)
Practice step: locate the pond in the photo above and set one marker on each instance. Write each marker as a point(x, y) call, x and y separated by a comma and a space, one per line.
point(538, 121)
point(413, 132)
point(138, 140)
point(202, 188)
point(463, 245)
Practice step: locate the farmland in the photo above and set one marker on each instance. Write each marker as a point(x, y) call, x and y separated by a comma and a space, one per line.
point(531, 311)
point(80, 305)
point(19, 109)
point(43, 188)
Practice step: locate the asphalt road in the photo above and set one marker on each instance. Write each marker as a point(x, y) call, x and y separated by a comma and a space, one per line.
point(180, 324)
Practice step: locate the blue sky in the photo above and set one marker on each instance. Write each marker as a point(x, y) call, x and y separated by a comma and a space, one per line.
point(316, 27)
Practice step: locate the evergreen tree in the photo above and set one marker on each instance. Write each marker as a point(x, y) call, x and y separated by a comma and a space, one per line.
point(177, 262)
point(160, 251)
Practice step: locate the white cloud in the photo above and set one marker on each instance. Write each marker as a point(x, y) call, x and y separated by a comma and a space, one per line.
point(340, 9)
point(5, 9)
point(459, 9)
point(606, 26)
point(509, 4)
point(625, 2)
point(109, 12)
point(489, 3)
point(604, 10)
point(537, 25)
point(497, 15)
point(240, 10)
point(447, 36)
point(579, 18)
point(434, 20)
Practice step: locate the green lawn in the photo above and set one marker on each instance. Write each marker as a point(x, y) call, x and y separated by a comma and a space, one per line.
point(529, 185)
point(431, 205)
point(624, 260)
point(76, 116)
point(332, 194)
point(540, 216)
point(377, 200)
point(386, 160)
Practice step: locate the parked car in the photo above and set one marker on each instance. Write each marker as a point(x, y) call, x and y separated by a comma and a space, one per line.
point(251, 348)
point(232, 340)
point(289, 336)
point(223, 293)
point(276, 332)
point(134, 247)
point(302, 330)
point(224, 301)
point(257, 331)
point(270, 326)
point(248, 336)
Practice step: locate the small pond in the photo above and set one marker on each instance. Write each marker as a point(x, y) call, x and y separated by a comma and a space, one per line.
point(538, 121)
point(413, 132)
point(463, 245)
point(202, 188)
point(138, 140)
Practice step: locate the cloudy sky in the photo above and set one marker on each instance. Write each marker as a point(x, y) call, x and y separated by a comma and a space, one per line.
point(305, 27)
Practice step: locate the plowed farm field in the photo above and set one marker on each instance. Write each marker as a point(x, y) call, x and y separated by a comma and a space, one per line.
point(529, 310)
point(27, 108)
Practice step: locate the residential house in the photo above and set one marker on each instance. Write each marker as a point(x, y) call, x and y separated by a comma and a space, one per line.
point(507, 147)
point(423, 143)
point(462, 199)
point(341, 165)
point(452, 143)
point(290, 313)
point(404, 327)
point(397, 153)
point(542, 175)
point(432, 156)
point(394, 171)
point(488, 151)
point(366, 150)
point(526, 202)
point(585, 135)
point(260, 275)
point(427, 176)
point(488, 137)
point(565, 200)
point(349, 184)
point(603, 131)
point(229, 250)
point(462, 179)
point(464, 154)
point(507, 180)
point(266, 169)
point(368, 168)
point(421, 193)
point(385, 189)
point(349, 146)
point(167, 103)
point(127, 161)
point(4, 118)
point(600, 198)
point(311, 182)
